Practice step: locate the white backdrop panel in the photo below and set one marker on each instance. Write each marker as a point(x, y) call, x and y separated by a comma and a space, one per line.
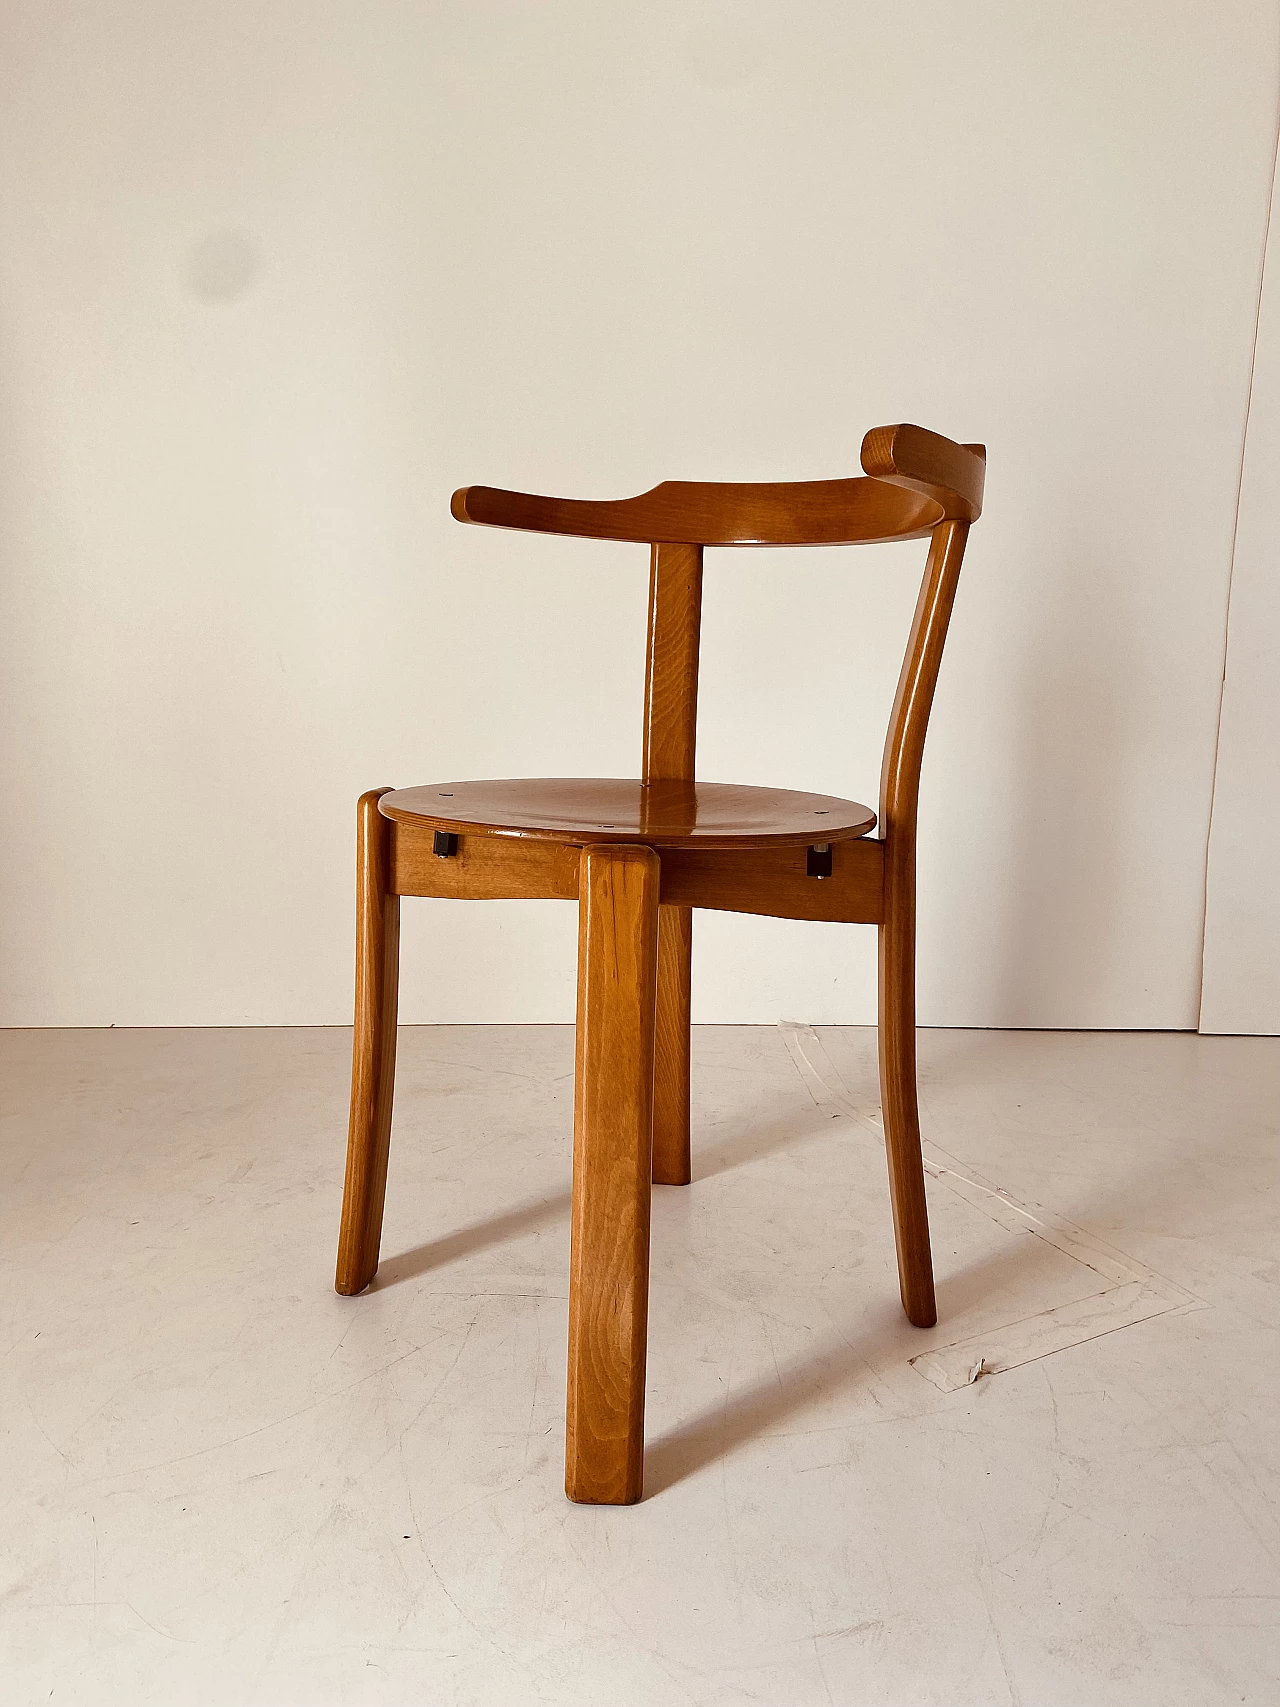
point(277, 277)
point(1242, 921)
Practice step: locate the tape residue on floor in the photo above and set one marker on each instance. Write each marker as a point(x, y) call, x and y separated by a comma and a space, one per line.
point(1129, 1292)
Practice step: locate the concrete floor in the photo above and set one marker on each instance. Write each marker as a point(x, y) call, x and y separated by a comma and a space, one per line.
point(224, 1484)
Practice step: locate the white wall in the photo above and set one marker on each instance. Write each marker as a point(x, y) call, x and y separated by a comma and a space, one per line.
point(277, 277)
point(1242, 924)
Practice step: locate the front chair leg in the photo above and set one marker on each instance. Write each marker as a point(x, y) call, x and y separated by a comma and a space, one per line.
point(612, 1160)
point(671, 1161)
point(373, 1062)
point(901, 1115)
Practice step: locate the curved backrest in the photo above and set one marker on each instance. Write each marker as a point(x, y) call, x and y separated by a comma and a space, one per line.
point(913, 480)
point(915, 484)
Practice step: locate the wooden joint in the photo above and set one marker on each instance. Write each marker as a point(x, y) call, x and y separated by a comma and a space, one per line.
point(777, 882)
point(481, 868)
point(780, 883)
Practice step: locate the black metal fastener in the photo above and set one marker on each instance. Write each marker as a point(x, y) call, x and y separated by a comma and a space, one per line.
point(444, 844)
point(818, 860)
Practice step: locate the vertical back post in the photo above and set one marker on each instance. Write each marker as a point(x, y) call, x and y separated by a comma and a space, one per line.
point(670, 737)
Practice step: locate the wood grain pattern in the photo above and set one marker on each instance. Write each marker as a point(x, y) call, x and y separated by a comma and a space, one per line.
point(914, 480)
point(373, 1064)
point(920, 461)
point(686, 512)
point(769, 881)
point(899, 799)
point(774, 882)
point(671, 663)
point(582, 810)
point(670, 744)
point(612, 1162)
point(672, 1156)
point(484, 868)
point(639, 855)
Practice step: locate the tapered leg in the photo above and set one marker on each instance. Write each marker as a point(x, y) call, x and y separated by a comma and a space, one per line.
point(671, 1162)
point(901, 1115)
point(612, 1160)
point(373, 1063)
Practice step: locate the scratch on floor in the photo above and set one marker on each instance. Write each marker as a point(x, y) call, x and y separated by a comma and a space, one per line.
point(61, 1454)
point(264, 1428)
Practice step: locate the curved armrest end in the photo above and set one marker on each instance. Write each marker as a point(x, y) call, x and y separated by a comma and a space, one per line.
point(486, 506)
point(926, 462)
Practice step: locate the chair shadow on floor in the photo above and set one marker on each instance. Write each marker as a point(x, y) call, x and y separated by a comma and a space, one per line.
point(795, 1127)
point(466, 1241)
point(841, 1363)
point(1168, 1195)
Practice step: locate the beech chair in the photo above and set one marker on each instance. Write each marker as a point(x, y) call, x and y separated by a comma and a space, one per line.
point(638, 857)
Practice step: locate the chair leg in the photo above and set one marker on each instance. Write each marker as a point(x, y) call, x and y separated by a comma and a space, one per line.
point(612, 1162)
point(901, 1114)
point(671, 1162)
point(373, 1063)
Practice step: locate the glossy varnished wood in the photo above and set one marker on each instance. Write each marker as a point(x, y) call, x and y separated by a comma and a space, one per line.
point(680, 512)
point(776, 883)
point(915, 479)
point(481, 868)
point(672, 1157)
point(612, 1127)
point(670, 743)
point(770, 881)
point(373, 1065)
point(639, 856)
point(582, 810)
point(899, 799)
point(671, 663)
point(915, 460)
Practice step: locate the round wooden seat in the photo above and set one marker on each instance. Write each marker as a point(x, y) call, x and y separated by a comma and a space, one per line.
point(579, 810)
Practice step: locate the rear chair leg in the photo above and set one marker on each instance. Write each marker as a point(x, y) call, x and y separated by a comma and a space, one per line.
point(671, 1161)
point(901, 1114)
point(373, 1063)
point(612, 1162)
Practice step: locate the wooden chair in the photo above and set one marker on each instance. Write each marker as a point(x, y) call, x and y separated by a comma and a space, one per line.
point(638, 856)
